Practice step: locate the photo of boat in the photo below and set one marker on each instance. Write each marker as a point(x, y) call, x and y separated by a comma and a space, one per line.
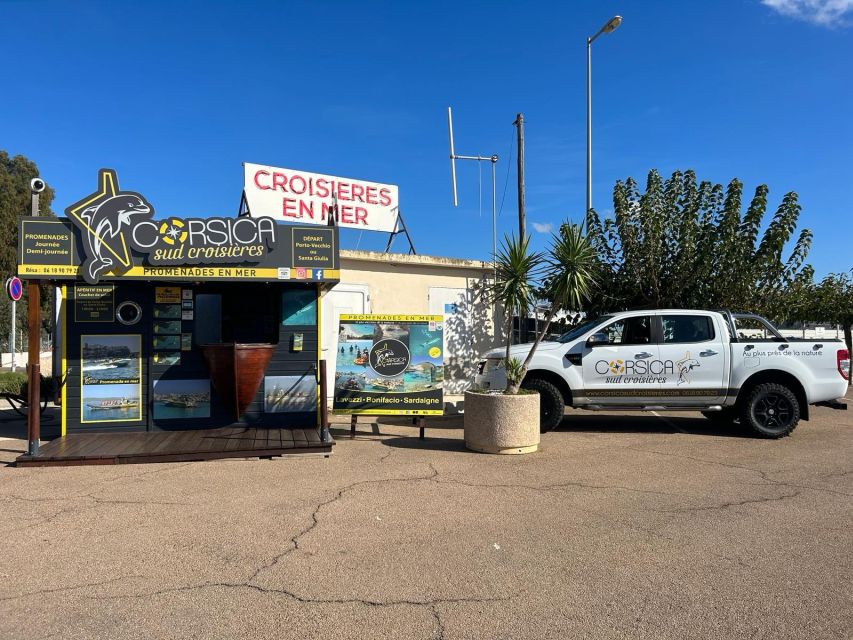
point(181, 399)
point(290, 394)
point(111, 402)
point(110, 359)
point(107, 405)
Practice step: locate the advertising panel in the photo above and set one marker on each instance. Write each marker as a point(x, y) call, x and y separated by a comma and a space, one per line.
point(291, 195)
point(112, 234)
point(390, 365)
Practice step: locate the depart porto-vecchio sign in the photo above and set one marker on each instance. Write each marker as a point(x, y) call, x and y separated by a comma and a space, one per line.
point(390, 365)
point(307, 198)
point(112, 234)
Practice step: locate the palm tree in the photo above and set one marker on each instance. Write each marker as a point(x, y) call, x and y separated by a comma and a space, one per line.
point(516, 272)
point(569, 270)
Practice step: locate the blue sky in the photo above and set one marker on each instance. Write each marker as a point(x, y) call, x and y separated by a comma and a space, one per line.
point(177, 95)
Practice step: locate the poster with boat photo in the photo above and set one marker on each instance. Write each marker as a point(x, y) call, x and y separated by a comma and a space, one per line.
point(389, 365)
point(181, 399)
point(290, 394)
point(111, 403)
point(110, 359)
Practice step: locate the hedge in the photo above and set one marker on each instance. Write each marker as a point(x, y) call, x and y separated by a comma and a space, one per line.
point(12, 382)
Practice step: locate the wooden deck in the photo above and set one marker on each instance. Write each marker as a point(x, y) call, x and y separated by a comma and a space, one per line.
point(176, 446)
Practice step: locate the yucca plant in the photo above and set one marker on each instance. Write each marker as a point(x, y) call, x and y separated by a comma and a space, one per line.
point(567, 273)
point(517, 270)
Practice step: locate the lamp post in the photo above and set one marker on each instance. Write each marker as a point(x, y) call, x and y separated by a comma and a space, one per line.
point(610, 26)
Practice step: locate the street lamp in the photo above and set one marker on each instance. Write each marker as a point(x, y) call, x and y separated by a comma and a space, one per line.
point(610, 26)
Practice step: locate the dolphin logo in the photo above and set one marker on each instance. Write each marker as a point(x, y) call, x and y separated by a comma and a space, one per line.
point(685, 366)
point(102, 218)
point(107, 220)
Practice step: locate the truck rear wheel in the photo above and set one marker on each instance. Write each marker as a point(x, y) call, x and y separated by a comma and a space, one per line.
point(551, 403)
point(771, 410)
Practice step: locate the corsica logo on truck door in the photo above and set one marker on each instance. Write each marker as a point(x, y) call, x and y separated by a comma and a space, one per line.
point(389, 357)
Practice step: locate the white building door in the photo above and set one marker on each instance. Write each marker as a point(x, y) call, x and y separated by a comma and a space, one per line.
point(460, 359)
point(344, 298)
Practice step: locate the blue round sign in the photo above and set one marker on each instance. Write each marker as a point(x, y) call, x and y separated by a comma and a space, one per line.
point(15, 288)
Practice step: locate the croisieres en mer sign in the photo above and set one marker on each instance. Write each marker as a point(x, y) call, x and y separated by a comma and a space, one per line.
point(298, 196)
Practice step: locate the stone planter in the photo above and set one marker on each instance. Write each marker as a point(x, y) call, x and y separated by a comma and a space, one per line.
point(502, 424)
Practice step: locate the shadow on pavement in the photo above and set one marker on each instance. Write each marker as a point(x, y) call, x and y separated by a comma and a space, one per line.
point(589, 422)
point(13, 425)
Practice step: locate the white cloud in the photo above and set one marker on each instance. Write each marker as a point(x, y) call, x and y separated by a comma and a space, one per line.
point(543, 227)
point(828, 13)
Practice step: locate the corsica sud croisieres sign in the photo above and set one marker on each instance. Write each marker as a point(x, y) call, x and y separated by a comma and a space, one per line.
point(113, 234)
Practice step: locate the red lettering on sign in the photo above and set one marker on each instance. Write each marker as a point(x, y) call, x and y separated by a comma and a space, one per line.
point(343, 191)
point(384, 197)
point(371, 195)
point(358, 192)
point(257, 182)
point(305, 207)
point(279, 180)
point(289, 208)
point(361, 215)
point(294, 188)
point(325, 210)
point(322, 187)
point(346, 213)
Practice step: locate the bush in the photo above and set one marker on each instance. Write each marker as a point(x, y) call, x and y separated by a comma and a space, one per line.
point(12, 382)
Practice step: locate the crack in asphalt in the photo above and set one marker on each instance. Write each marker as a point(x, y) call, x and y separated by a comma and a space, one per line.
point(764, 475)
point(75, 508)
point(315, 520)
point(546, 487)
point(728, 505)
point(42, 592)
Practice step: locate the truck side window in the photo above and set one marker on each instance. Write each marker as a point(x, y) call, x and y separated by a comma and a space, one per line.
point(636, 330)
point(683, 329)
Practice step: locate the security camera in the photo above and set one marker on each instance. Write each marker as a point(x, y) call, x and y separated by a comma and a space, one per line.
point(37, 185)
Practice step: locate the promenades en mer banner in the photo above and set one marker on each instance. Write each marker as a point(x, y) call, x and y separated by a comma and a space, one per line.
point(390, 365)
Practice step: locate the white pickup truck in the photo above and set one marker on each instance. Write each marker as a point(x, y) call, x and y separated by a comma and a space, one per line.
point(728, 366)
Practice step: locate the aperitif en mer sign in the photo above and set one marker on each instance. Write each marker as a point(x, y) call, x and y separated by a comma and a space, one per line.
point(291, 195)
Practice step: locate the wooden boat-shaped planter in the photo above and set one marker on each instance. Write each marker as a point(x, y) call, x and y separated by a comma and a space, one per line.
point(236, 371)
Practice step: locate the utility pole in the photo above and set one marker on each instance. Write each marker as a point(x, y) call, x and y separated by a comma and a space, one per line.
point(522, 231)
point(519, 123)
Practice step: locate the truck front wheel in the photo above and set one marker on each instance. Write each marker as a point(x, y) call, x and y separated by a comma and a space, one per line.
point(551, 403)
point(771, 410)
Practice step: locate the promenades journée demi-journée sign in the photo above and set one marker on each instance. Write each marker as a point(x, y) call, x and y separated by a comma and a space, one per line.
point(297, 196)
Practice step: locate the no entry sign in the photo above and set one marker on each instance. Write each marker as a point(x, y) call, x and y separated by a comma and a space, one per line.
point(15, 288)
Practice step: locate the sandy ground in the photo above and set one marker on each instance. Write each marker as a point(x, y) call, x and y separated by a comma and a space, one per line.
point(637, 526)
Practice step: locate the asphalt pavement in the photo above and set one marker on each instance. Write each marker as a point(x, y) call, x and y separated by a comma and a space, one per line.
point(621, 526)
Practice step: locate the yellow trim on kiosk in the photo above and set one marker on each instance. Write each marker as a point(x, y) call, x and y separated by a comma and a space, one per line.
point(320, 397)
point(63, 311)
point(209, 273)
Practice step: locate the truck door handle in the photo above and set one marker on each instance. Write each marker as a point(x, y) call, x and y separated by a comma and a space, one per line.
point(708, 352)
point(642, 355)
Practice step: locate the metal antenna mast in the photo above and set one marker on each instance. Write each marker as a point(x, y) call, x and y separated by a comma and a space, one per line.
point(492, 159)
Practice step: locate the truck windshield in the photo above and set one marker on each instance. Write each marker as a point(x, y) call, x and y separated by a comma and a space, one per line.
point(581, 329)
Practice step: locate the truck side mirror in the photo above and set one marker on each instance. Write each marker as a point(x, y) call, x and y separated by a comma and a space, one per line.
point(597, 339)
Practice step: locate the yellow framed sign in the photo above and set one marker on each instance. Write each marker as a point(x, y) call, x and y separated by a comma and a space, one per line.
point(111, 377)
point(389, 365)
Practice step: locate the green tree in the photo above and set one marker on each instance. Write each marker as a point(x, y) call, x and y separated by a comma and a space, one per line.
point(683, 243)
point(832, 301)
point(15, 175)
